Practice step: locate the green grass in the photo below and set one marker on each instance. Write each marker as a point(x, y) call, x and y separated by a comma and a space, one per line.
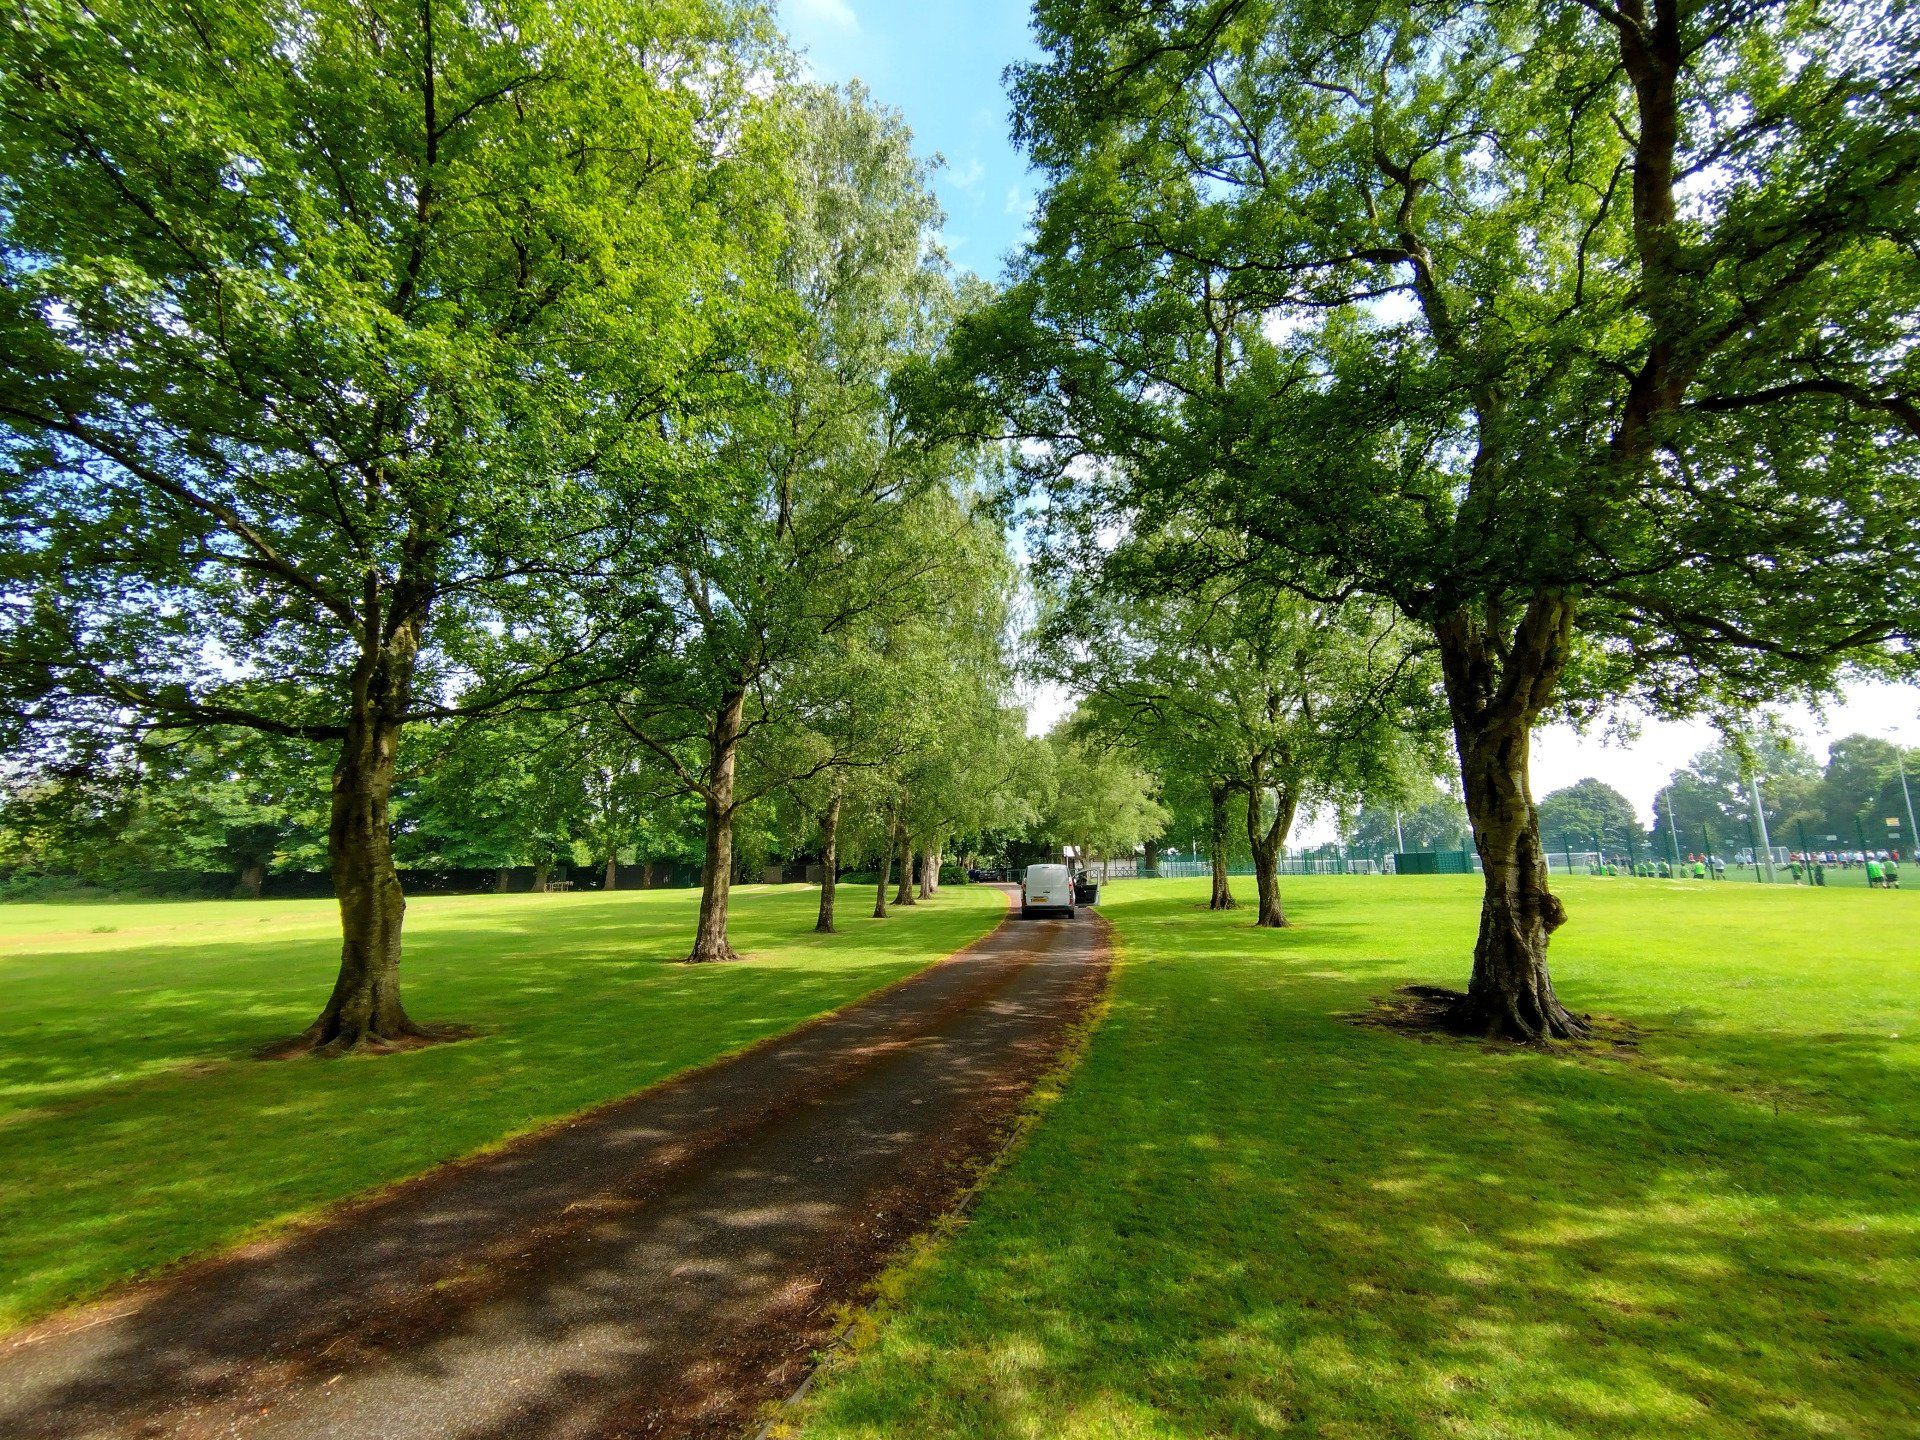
point(1246, 1217)
point(135, 1131)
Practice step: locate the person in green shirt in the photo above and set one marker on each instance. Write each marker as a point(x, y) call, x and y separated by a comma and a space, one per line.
point(1874, 873)
point(1699, 869)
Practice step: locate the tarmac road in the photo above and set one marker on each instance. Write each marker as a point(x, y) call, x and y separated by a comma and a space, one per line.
point(663, 1266)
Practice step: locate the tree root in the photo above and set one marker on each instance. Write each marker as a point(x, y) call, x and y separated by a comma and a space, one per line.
point(1435, 1010)
point(1536, 1023)
point(309, 1042)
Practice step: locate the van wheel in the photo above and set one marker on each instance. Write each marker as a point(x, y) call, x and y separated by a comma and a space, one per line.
point(1026, 912)
point(1070, 912)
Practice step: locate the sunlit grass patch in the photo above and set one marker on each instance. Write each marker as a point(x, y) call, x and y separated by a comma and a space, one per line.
point(1247, 1216)
point(135, 1129)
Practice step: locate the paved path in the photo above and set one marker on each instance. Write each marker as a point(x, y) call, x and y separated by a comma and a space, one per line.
point(661, 1267)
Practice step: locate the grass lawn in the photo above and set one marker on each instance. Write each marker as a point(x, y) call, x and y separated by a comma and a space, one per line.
point(134, 1130)
point(1245, 1217)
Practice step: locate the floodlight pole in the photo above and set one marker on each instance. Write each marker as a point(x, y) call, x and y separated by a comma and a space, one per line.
point(1673, 829)
point(1760, 820)
point(1913, 830)
point(1401, 840)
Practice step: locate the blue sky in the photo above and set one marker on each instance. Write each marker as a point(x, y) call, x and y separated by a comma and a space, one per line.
point(939, 63)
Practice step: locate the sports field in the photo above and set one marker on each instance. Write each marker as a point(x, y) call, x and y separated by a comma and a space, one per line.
point(135, 1130)
point(1244, 1215)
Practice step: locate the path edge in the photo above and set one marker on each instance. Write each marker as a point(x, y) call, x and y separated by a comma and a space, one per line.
point(130, 1292)
point(886, 1292)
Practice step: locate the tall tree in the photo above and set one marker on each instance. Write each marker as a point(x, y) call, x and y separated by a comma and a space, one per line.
point(1590, 813)
point(131, 814)
point(1578, 332)
point(831, 513)
point(328, 331)
point(1708, 804)
point(1861, 786)
point(1104, 804)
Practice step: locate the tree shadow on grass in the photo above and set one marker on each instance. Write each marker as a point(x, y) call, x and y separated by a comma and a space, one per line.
point(1249, 1219)
point(651, 1254)
point(140, 1133)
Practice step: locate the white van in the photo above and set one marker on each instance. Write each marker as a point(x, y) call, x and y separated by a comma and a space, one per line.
point(1047, 887)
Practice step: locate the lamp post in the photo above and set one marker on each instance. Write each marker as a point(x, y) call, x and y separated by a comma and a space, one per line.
point(1760, 823)
point(1913, 830)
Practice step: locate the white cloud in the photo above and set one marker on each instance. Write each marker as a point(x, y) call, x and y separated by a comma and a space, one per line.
point(969, 175)
point(831, 14)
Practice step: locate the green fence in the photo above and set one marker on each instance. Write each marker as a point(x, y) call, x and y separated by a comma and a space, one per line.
point(1434, 862)
point(1291, 865)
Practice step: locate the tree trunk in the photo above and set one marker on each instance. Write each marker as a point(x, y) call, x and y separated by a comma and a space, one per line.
point(1266, 842)
point(1150, 864)
point(886, 872)
point(1493, 701)
point(927, 862)
point(502, 878)
point(646, 874)
point(716, 874)
point(253, 878)
point(541, 869)
point(904, 895)
point(829, 863)
point(364, 1011)
point(1222, 898)
point(611, 880)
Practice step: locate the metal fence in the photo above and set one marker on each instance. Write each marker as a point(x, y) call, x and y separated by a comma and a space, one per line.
point(1291, 865)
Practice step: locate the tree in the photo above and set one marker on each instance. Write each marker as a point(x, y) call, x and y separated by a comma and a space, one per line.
point(872, 703)
point(1861, 787)
point(1429, 817)
point(1104, 804)
point(1590, 813)
point(980, 774)
point(340, 344)
point(500, 792)
point(200, 800)
point(1578, 333)
point(1200, 804)
point(830, 511)
point(1711, 799)
point(1252, 689)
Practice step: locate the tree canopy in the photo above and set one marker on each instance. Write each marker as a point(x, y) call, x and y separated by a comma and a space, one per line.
point(1579, 334)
